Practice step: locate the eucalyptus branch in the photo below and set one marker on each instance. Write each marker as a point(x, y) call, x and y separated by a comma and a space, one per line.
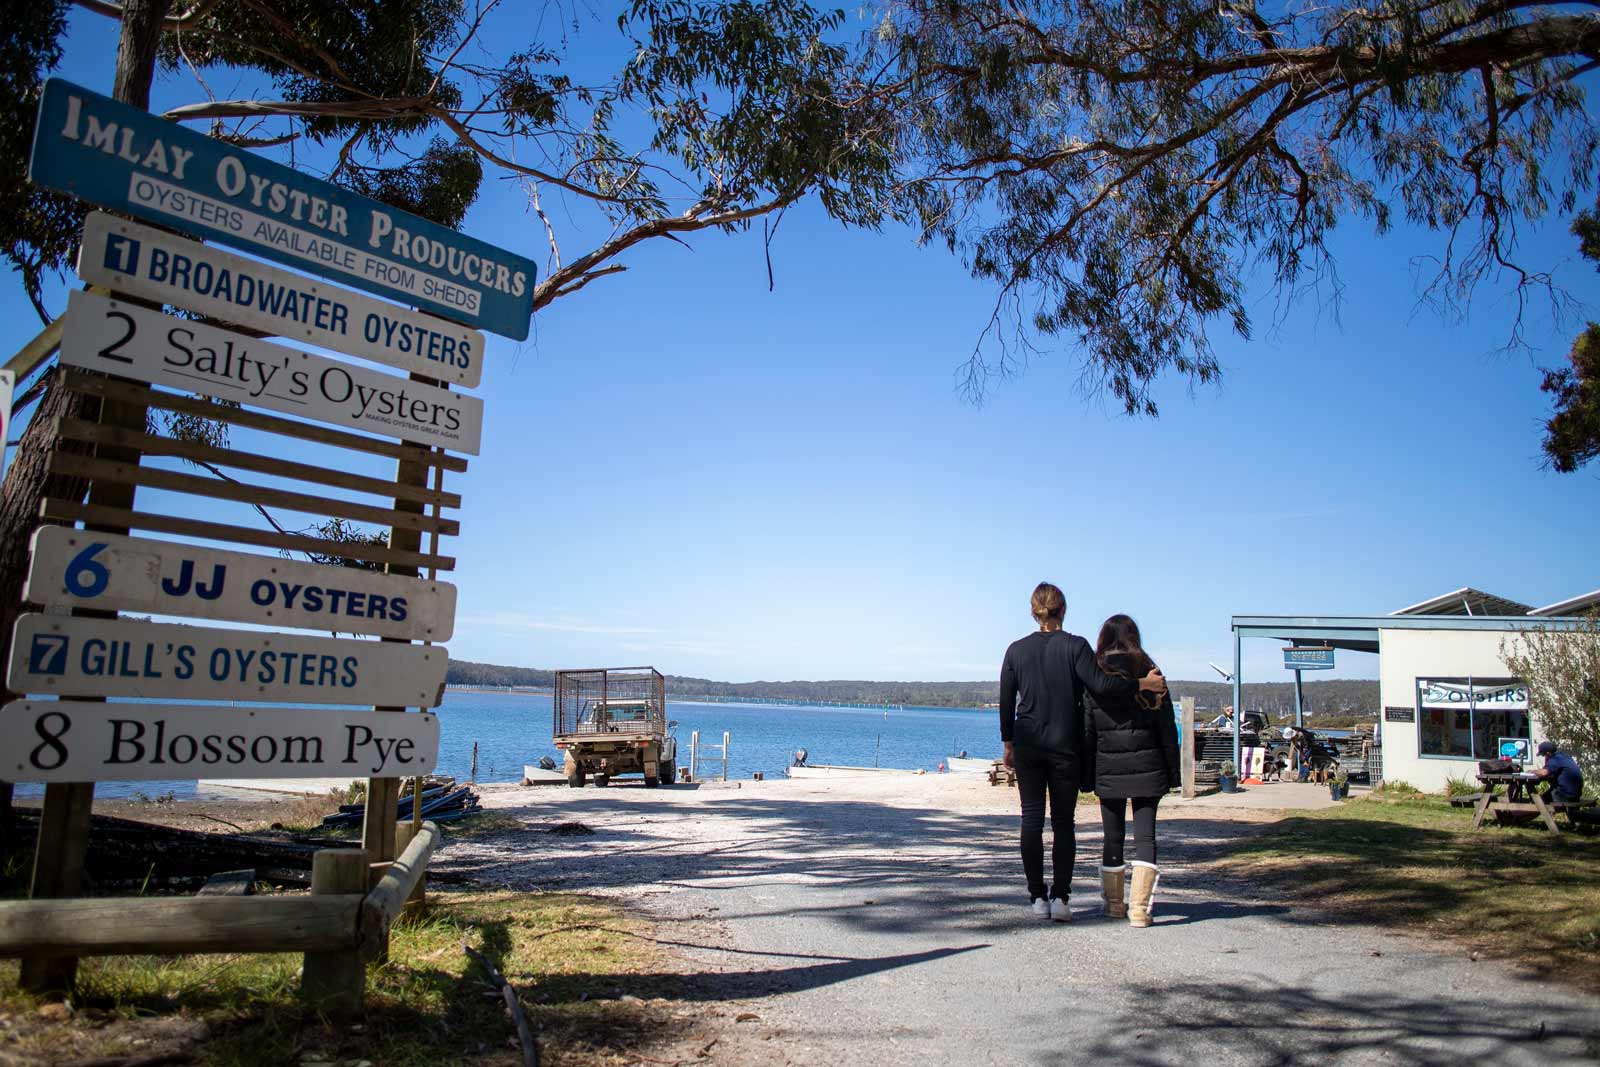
point(185, 21)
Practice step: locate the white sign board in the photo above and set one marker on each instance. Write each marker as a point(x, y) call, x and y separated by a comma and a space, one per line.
point(1490, 694)
point(134, 342)
point(81, 569)
point(144, 261)
point(7, 383)
point(73, 741)
point(61, 655)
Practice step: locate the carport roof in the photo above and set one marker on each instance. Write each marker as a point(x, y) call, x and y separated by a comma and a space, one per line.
point(1467, 601)
point(1359, 633)
point(1572, 606)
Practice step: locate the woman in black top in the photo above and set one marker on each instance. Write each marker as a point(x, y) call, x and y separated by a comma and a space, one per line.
point(1042, 682)
point(1132, 750)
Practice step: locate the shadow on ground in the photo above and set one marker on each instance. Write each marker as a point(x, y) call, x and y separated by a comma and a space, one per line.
point(1280, 1025)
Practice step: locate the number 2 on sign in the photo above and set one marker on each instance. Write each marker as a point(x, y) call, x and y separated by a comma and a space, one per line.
point(110, 351)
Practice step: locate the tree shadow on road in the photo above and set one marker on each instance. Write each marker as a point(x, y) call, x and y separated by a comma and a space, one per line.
point(1273, 1025)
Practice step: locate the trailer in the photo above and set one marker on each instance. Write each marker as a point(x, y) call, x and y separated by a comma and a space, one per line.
point(611, 721)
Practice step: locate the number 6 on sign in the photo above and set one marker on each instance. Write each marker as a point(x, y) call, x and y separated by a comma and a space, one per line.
point(85, 577)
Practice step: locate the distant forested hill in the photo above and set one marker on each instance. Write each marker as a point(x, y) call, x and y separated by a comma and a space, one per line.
point(1329, 697)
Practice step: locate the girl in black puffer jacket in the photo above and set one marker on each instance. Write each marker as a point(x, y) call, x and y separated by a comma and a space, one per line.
point(1131, 755)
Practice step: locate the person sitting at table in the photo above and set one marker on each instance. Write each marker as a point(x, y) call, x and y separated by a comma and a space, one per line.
point(1562, 772)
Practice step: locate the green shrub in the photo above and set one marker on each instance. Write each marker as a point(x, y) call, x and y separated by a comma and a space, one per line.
point(1395, 787)
point(1455, 787)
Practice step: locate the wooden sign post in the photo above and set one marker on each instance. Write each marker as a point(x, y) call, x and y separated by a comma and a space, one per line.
point(124, 356)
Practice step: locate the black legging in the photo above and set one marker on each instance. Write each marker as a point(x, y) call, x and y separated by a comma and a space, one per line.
point(1040, 772)
point(1114, 815)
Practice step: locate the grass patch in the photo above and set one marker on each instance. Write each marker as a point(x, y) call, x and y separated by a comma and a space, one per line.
point(596, 993)
point(1417, 864)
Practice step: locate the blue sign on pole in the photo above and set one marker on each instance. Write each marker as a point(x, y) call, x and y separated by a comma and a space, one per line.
point(1308, 659)
point(96, 148)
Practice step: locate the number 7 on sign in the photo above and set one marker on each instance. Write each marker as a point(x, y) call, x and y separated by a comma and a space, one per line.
point(122, 254)
point(48, 654)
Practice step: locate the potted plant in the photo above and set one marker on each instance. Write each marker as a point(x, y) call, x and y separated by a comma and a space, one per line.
point(1227, 779)
point(1339, 784)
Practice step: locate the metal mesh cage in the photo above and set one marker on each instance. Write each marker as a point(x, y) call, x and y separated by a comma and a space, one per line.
point(614, 700)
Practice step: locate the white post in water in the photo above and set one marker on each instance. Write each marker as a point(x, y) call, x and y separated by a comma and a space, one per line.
point(724, 755)
point(694, 756)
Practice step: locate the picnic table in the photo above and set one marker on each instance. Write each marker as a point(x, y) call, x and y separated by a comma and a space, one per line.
point(1520, 797)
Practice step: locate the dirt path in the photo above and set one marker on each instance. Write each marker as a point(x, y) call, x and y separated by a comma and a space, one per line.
point(879, 922)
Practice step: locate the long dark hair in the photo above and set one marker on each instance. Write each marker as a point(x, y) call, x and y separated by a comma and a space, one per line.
point(1119, 634)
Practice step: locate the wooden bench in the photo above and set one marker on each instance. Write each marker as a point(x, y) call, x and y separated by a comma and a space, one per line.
point(1000, 774)
point(1531, 803)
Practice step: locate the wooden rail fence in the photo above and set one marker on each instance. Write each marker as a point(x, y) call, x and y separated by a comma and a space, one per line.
point(339, 925)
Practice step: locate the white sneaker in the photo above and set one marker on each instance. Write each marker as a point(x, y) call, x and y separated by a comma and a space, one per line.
point(1059, 911)
point(1040, 908)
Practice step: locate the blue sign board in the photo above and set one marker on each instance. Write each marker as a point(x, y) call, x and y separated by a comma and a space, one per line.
point(96, 148)
point(1308, 659)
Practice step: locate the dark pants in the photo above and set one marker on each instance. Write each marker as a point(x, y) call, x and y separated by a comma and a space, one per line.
point(1114, 817)
point(1040, 772)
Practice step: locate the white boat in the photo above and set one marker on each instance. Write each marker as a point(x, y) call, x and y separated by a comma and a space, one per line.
point(963, 765)
point(827, 770)
point(281, 786)
point(533, 774)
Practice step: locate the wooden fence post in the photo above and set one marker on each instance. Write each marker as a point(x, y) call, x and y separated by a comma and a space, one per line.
point(404, 832)
point(335, 982)
point(1186, 752)
point(383, 794)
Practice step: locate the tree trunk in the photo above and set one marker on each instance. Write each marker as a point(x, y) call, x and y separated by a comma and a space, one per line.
point(136, 50)
point(28, 481)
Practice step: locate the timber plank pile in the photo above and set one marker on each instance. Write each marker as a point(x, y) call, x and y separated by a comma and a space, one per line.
point(442, 803)
point(125, 854)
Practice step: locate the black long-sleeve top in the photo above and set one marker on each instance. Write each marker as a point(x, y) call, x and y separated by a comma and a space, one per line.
point(1042, 681)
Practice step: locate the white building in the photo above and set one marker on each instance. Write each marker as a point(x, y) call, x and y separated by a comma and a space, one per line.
point(1448, 698)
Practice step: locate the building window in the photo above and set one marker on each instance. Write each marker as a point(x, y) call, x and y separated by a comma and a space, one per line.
point(1465, 718)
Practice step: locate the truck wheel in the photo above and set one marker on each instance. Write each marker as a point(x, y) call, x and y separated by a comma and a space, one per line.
point(651, 781)
point(602, 780)
point(575, 779)
point(669, 771)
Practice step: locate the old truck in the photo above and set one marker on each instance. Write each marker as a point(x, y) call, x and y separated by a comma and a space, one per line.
point(611, 721)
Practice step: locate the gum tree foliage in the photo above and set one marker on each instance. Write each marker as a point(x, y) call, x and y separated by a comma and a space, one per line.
point(1572, 434)
point(716, 114)
point(1124, 170)
point(1562, 669)
point(37, 229)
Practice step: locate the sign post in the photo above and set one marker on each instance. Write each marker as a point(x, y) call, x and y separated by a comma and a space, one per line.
point(81, 568)
point(127, 340)
point(7, 383)
point(150, 263)
point(452, 286)
point(127, 658)
point(129, 160)
point(68, 741)
point(1298, 659)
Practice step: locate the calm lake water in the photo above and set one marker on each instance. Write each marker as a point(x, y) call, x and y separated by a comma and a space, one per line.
point(512, 729)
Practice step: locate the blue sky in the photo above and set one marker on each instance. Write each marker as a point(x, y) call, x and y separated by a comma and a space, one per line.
point(681, 468)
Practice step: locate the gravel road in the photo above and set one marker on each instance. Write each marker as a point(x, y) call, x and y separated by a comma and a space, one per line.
point(881, 922)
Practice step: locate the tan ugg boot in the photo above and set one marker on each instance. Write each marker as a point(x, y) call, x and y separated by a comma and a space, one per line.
point(1145, 877)
point(1112, 882)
